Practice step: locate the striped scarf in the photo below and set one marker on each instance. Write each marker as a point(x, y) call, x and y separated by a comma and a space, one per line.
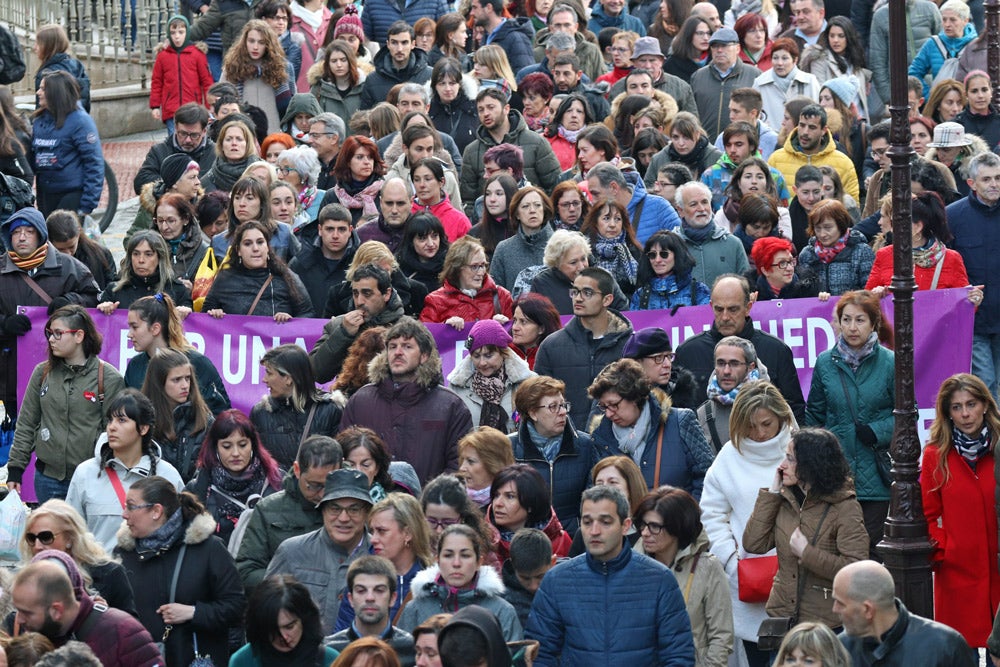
point(32, 261)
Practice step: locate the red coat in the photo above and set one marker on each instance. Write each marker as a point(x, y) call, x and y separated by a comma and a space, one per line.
point(313, 40)
point(455, 223)
point(448, 301)
point(561, 540)
point(966, 581)
point(952, 273)
point(564, 150)
point(179, 78)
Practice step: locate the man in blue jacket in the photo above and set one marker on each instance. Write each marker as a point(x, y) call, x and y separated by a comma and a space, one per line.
point(648, 212)
point(512, 35)
point(611, 605)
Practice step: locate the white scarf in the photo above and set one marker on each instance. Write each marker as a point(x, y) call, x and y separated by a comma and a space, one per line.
point(313, 19)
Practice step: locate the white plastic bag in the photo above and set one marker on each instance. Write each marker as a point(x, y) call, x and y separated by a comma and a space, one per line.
point(13, 518)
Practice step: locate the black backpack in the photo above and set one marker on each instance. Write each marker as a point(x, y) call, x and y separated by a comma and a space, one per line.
point(12, 67)
point(15, 194)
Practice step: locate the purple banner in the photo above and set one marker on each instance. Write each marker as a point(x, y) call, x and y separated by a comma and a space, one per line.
point(942, 337)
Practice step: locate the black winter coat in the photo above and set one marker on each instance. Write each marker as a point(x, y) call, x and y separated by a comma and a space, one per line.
point(182, 451)
point(234, 291)
point(320, 274)
point(457, 119)
point(204, 155)
point(281, 426)
point(145, 286)
point(410, 291)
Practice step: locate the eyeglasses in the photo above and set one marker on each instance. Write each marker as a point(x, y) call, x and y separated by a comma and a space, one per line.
point(129, 507)
point(556, 408)
point(662, 254)
point(436, 524)
point(354, 511)
point(45, 537)
point(702, 33)
point(189, 135)
point(586, 292)
point(653, 528)
point(167, 221)
point(722, 363)
point(476, 268)
point(322, 134)
point(879, 152)
point(24, 230)
point(785, 263)
point(612, 406)
point(571, 204)
point(660, 358)
point(285, 170)
point(619, 49)
point(57, 334)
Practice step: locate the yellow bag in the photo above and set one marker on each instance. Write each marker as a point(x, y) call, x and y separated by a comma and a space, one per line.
point(203, 279)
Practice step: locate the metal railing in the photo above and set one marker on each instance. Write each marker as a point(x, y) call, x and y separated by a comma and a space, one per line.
point(113, 38)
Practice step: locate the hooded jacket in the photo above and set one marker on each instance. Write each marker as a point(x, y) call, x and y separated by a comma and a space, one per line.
point(420, 421)
point(94, 497)
point(431, 597)
point(481, 620)
point(331, 99)
point(64, 62)
point(68, 158)
point(116, 637)
point(540, 164)
point(625, 611)
point(449, 301)
point(274, 519)
point(849, 270)
point(282, 427)
point(790, 157)
point(208, 581)
point(458, 118)
point(377, 85)
point(301, 103)
point(701, 157)
point(179, 76)
point(599, 20)
point(930, 58)
point(574, 356)
point(834, 526)
point(460, 382)
point(515, 36)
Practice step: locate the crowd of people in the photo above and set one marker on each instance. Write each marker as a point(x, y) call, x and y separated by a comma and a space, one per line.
point(576, 491)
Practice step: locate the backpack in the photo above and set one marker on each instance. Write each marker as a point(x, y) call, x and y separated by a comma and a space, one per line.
point(950, 66)
point(12, 67)
point(15, 194)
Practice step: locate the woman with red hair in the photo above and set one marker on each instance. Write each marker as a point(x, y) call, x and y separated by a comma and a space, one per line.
point(755, 43)
point(777, 277)
point(359, 171)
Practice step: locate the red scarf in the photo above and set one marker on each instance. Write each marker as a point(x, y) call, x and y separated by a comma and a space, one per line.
point(827, 255)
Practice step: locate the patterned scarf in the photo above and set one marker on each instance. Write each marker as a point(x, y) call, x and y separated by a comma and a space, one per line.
point(480, 497)
point(717, 394)
point(613, 255)
point(929, 254)
point(163, 537)
point(631, 438)
point(32, 261)
point(239, 487)
point(827, 255)
point(972, 449)
point(855, 357)
point(452, 597)
point(307, 196)
point(569, 135)
point(491, 390)
point(538, 123)
point(363, 199)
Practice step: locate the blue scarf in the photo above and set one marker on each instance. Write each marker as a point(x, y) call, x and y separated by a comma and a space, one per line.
point(716, 393)
point(549, 447)
point(698, 234)
point(613, 255)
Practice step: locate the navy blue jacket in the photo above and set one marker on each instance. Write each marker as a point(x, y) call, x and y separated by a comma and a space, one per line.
point(63, 62)
point(515, 37)
point(68, 158)
point(568, 475)
point(626, 611)
point(380, 14)
point(977, 235)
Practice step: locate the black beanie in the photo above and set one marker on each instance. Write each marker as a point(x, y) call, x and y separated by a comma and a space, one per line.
point(173, 168)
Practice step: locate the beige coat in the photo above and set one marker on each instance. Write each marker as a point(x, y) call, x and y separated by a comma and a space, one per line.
point(842, 540)
point(703, 582)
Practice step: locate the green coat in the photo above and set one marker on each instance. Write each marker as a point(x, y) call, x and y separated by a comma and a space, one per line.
point(872, 393)
point(61, 420)
point(275, 518)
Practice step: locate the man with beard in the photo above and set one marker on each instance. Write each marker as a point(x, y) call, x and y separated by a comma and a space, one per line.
point(371, 590)
point(189, 137)
point(811, 143)
point(735, 364)
point(44, 597)
point(715, 250)
point(376, 304)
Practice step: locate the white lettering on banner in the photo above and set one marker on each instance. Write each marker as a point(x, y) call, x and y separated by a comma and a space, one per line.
point(227, 359)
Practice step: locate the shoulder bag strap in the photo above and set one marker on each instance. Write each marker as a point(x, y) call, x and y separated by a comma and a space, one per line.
point(36, 288)
point(802, 571)
point(712, 428)
point(177, 571)
point(222, 493)
point(259, 295)
point(638, 212)
point(402, 606)
point(687, 586)
point(309, 421)
point(100, 384)
point(659, 455)
point(937, 273)
point(117, 483)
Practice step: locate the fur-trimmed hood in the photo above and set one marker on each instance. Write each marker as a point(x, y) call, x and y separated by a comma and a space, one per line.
point(667, 103)
point(488, 583)
point(428, 374)
point(147, 195)
point(469, 86)
point(978, 146)
point(516, 367)
point(197, 531)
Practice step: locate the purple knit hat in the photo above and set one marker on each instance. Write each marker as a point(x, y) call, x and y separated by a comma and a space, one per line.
point(487, 332)
point(72, 569)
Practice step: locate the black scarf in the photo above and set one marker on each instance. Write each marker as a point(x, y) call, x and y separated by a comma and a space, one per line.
point(308, 653)
point(226, 173)
point(238, 487)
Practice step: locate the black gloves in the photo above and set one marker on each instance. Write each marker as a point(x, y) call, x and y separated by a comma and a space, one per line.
point(865, 434)
point(58, 303)
point(16, 325)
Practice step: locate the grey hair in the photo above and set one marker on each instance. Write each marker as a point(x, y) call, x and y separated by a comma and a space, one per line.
point(416, 89)
point(606, 174)
point(332, 123)
point(561, 41)
point(749, 351)
point(607, 492)
point(561, 242)
point(986, 159)
point(306, 162)
point(72, 654)
point(684, 187)
point(959, 7)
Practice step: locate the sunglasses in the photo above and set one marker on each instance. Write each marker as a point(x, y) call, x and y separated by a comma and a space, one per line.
point(45, 537)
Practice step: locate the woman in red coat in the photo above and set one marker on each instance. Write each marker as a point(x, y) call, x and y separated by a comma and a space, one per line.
point(930, 234)
point(428, 184)
point(180, 74)
point(958, 484)
point(467, 293)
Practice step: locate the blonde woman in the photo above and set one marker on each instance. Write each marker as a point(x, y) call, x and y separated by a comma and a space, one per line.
point(492, 68)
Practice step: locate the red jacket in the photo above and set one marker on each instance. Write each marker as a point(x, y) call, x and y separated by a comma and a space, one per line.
point(561, 540)
point(564, 150)
point(455, 223)
point(179, 78)
point(966, 581)
point(448, 301)
point(952, 273)
point(313, 40)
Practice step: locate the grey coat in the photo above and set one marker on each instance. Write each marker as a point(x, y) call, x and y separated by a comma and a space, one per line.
point(517, 253)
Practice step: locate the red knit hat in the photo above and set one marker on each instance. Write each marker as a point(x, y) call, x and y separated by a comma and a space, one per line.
point(350, 24)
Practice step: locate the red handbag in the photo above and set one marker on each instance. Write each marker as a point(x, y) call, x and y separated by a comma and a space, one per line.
point(755, 577)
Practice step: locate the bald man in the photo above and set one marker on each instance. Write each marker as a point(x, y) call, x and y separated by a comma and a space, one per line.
point(878, 629)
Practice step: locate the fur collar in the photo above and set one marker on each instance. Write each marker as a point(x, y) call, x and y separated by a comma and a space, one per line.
point(978, 146)
point(428, 375)
point(147, 198)
point(315, 73)
point(489, 583)
point(516, 367)
point(198, 530)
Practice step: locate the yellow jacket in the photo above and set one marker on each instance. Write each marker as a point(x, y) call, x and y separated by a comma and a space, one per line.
point(790, 157)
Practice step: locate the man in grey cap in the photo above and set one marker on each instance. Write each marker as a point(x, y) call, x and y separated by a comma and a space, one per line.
point(646, 54)
point(713, 83)
point(320, 559)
